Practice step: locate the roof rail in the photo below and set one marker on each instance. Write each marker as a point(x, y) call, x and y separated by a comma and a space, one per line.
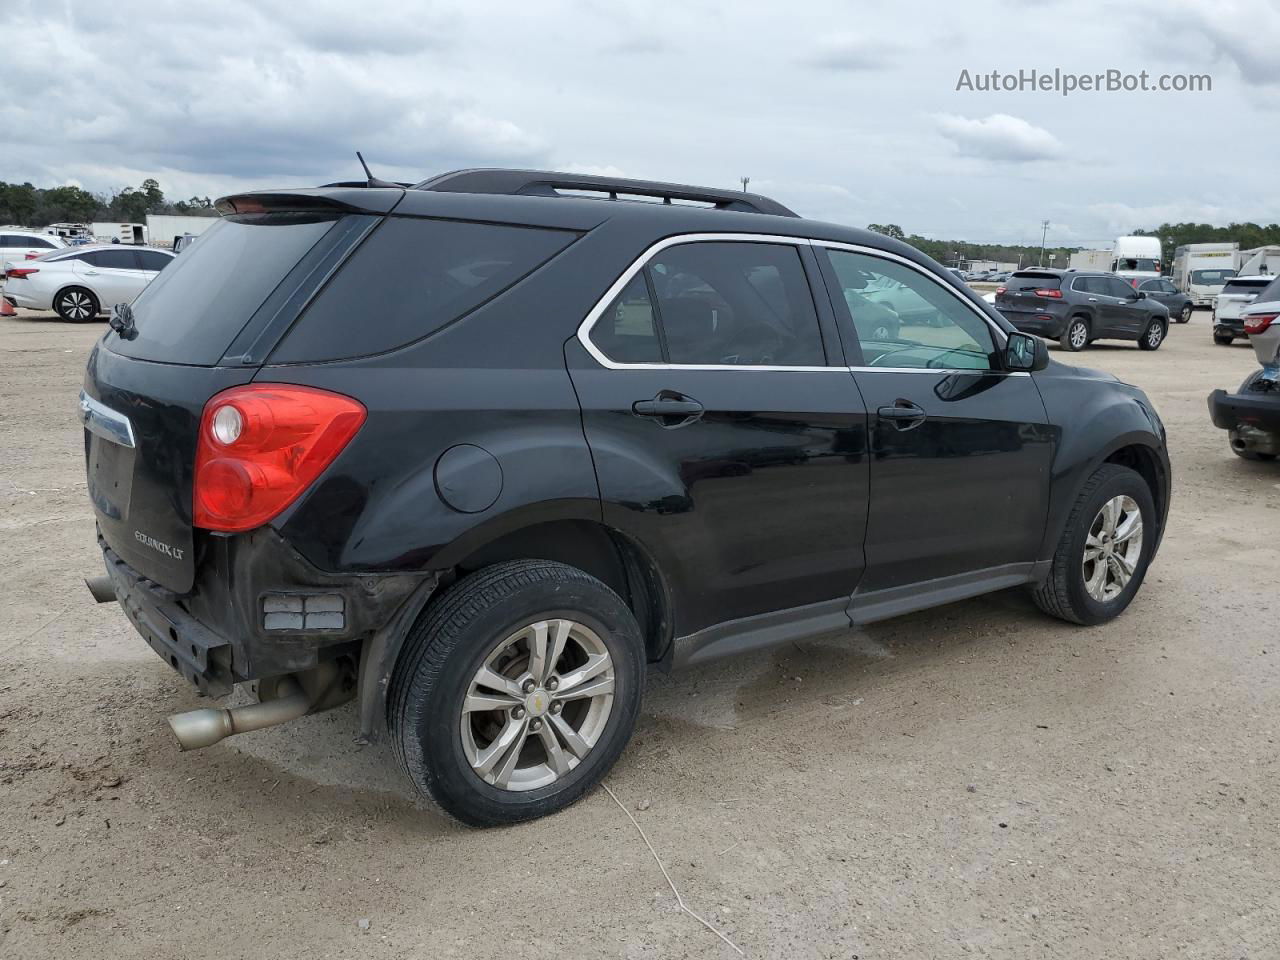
point(544, 183)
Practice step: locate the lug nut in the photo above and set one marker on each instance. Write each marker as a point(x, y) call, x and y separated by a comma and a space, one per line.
point(536, 726)
point(553, 683)
point(528, 686)
point(555, 707)
point(518, 713)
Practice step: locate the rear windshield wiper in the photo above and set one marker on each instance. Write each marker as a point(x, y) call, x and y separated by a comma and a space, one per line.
point(122, 321)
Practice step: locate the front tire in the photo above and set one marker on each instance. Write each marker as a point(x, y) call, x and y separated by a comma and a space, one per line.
point(1105, 549)
point(516, 691)
point(76, 305)
point(1152, 337)
point(1223, 339)
point(1076, 337)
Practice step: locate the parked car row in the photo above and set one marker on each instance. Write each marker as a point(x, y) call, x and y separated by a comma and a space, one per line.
point(82, 282)
point(1251, 415)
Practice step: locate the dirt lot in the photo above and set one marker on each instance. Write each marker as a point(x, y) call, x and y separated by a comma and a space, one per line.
point(977, 780)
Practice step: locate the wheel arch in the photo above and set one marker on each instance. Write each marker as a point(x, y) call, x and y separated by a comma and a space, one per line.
point(616, 559)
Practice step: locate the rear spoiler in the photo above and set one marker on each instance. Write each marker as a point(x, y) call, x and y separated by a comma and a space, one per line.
point(336, 199)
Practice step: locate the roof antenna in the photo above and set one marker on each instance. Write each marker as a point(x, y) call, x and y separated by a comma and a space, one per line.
point(373, 181)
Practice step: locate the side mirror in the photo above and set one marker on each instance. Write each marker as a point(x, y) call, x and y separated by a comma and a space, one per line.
point(1025, 352)
point(1140, 294)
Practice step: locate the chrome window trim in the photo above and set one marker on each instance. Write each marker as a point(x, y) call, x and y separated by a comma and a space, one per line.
point(584, 329)
point(105, 422)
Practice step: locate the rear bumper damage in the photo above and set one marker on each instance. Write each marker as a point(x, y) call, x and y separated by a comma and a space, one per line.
point(259, 611)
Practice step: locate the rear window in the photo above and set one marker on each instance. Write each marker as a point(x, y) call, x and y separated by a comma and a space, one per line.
point(198, 303)
point(410, 278)
point(1026, 280)
point(1246, 286)
point(1270, 292)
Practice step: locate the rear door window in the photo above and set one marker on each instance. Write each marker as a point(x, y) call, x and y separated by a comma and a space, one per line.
point(410, 278)
point(111, 259)
point(737, 304)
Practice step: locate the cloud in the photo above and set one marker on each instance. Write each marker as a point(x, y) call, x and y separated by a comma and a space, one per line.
point(1243, 33)
point(851, 53)
point(999, 137)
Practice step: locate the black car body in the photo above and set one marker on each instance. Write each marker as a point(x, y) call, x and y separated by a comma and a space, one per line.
point(1162, 291)
point(1077, 307)
point(484, 386)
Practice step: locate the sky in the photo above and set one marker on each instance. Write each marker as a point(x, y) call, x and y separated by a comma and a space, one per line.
point(844, 111)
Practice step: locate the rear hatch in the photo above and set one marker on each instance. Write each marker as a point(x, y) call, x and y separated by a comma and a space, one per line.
point(1029, 291)
point(206, 323)
point(1237, 294)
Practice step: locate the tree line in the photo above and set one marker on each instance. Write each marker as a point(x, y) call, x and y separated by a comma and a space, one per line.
point(25, 205)
point(1248, 235)
point(951, 251)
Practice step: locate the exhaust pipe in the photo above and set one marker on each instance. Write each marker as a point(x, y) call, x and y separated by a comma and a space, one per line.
point(197, 729)
point(101, 588)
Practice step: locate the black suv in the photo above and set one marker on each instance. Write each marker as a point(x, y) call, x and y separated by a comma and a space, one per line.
point(1075, 308)
point(478, 451)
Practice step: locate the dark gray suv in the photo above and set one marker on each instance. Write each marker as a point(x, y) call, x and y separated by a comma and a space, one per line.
point(1075, 308)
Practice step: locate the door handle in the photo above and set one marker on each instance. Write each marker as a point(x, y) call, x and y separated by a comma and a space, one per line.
point(904, 414)
point(91, 273)
point(1093, 299)
point(673, 409)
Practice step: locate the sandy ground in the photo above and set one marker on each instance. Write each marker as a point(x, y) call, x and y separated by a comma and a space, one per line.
point(977, 780)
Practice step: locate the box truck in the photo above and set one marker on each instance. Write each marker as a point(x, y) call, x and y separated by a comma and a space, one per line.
point(1201, 269)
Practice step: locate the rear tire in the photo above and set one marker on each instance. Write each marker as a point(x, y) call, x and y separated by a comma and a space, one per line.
point(76, 305)
point(1224, 339)
point(465, 685)
point(1185, 315)
point(1065, 594)
point(1152, 337)
point(1076, 336)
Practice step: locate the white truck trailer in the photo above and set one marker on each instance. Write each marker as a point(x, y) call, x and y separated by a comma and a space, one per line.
point(1090, 260)
point(111, 232)
point(1200, 270)
point(165, 229)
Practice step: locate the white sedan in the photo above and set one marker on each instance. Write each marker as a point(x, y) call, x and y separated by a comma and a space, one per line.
point(82, 283)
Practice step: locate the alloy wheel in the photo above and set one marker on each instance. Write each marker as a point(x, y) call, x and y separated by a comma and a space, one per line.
point(538, 705)
point(1155, 333)
point(1079, 334)
point(1112, 548)
point(77, 304)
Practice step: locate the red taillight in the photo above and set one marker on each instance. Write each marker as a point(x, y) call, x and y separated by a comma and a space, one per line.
point(1259, 322)
point(1000, 290)
point(30, 256)
point(1051, 294)
point(20, 272)
point(261, 446)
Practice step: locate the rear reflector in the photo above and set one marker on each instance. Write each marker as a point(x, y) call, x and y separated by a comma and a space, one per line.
point(261, 446)
point(1259, 322)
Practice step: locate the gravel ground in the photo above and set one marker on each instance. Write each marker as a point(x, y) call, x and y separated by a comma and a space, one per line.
point(976, 780)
